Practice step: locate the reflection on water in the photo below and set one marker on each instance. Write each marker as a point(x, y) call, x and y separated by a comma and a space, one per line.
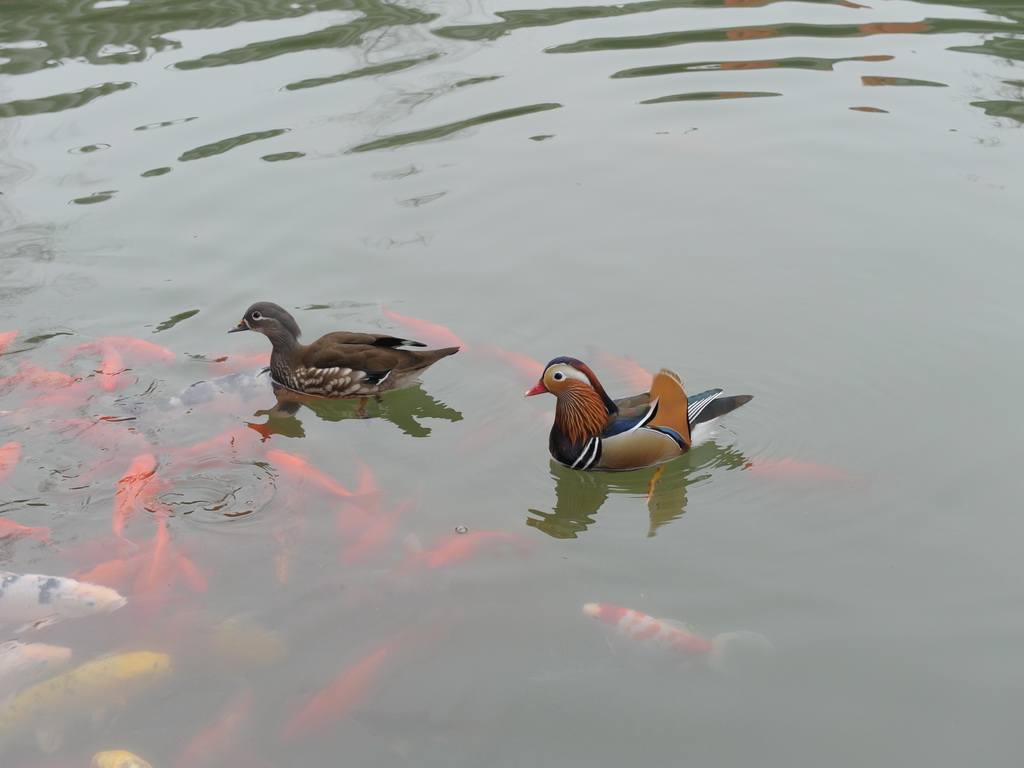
point(580, 495)
point(405, 408)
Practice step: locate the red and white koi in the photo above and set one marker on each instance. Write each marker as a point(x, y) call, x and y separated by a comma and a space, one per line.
point(40, 600)
point(664, 640)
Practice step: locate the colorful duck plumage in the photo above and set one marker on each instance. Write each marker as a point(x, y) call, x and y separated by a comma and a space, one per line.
point(593, 432)
point(339, 364)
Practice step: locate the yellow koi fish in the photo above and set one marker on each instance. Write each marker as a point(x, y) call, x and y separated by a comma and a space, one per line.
point(118, 758)
point(81, 690)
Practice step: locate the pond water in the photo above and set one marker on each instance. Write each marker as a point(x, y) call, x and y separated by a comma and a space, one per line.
point(809, 202)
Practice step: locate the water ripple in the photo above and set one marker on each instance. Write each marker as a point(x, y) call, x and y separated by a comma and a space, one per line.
point(61, 101)
point(378, 16)
point(546, 17)
point(372, 71)
point(440, 131)
point(224, 145)
point(737, 34)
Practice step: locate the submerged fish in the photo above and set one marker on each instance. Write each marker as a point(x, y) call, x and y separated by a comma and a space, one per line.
point(9, 455)
point(298, 468)
point(24, 663)
point(663, 640)
point(118, 758)
point(40, 600)
point(81, 690)
point(12, 530)
point(7, 338)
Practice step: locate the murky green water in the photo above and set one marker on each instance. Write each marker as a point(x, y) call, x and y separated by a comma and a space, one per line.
point(815, 203)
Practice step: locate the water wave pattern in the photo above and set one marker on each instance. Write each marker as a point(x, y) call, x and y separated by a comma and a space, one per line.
point(405, 49)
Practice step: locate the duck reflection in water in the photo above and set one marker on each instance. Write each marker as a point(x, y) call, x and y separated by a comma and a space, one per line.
point(405, 408)
point(579, 495)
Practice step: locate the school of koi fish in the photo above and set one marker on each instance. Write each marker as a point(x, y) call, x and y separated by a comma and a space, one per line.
point(61, 704)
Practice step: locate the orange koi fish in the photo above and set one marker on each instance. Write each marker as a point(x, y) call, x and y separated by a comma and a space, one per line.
point(111, 372)
point(139, 350)
point(375, 537)
point(238, 439)
point(457, 548)
point(218, 737)
point(357, 683)
point(661, 639)
point(156, 578)
point(226, 364)
point(300, 469)
point(6, 339)
point(137, 487)
point(430, 333)
point(626, 369)
point(119, 573)
point(9, 455)
point(336, 701)
point(11, 530)
point(524, 365)
point(32, 376)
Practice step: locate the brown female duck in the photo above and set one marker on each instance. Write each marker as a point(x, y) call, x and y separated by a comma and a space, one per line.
point(339, 364)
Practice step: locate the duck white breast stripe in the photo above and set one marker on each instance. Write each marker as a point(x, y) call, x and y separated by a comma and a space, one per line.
point(589, 454)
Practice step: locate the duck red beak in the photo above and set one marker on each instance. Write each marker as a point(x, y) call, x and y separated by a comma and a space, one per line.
point(538, 389)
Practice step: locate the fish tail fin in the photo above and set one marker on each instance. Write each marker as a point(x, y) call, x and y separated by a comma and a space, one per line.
point(731, 651)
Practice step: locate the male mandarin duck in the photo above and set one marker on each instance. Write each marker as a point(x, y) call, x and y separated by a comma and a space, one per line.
point(594, 432)
point(339, 364)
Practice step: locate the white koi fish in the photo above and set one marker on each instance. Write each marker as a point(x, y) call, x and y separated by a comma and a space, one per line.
point(39, 600)
point(24, 663)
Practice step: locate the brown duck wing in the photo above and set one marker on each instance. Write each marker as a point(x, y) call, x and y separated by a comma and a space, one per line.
point(368, 339)
point(364, 357)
